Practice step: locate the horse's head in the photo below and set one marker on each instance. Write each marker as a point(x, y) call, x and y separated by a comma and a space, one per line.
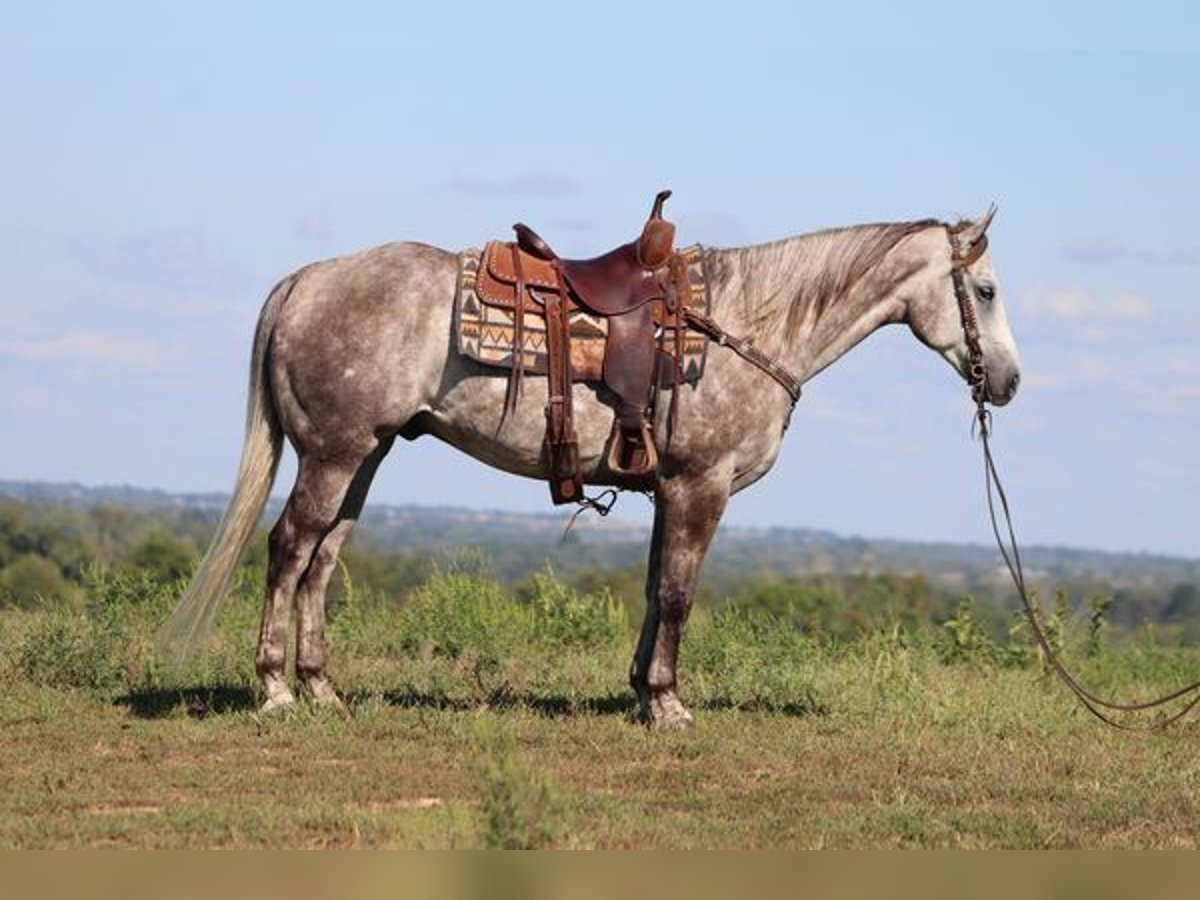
point(956, 309)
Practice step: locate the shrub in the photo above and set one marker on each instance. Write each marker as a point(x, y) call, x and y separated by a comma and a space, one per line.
point(749, 660)
point(1097, 623)
point(520, 807)
point(31, 580)
point(458, 612)
point(163, 555)
point(564, 618)
point(107, 642)
point(965, 641)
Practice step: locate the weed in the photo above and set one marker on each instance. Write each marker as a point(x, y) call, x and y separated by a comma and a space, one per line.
point(520, 807)
point(457, 613)
point(967, 641)
point(1055, 628)
point(749, 660)
point(563, 618)
point(104, 644)
point(1098, 611)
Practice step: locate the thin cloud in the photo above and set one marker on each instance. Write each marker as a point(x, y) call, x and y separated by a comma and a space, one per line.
point(577, 225)
point(172, 260)
point(1130, 306)
point(712, 227)
point(89, 347)
point(1069, 303)
point(1104, 251)
point(13, 319)
point(1095, 251)
point(1168, 476)
point(525, 185)
point(1071, 372)
point(314, 226)
point(1057, 302)
point(1182, 367)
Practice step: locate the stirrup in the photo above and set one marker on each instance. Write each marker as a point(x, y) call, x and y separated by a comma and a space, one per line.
point(632, 458)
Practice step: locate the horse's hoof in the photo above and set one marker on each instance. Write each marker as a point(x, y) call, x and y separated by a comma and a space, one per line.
point(277, 702)
point(321, 693)
point(674, 723)
point(666, 712)
point(278, 695)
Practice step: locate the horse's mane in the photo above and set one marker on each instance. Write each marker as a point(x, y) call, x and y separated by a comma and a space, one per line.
point(811, 272)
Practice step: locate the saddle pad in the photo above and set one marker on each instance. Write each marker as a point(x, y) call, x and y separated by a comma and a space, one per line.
point(485, 333)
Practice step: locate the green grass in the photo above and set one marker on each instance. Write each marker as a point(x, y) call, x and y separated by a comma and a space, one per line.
point(477, 718)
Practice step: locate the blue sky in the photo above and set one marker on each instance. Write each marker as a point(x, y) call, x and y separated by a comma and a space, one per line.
point(161, 169)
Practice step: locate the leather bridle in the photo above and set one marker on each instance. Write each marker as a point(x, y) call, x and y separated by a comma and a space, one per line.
point(960, 258)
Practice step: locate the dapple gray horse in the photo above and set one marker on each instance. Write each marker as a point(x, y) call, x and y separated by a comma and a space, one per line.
point(352, 352)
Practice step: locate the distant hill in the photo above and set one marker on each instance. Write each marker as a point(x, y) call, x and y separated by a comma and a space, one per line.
point(518, 542)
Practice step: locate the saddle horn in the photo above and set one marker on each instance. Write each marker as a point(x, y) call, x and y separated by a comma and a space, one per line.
point(659, 199)
point(658, 236)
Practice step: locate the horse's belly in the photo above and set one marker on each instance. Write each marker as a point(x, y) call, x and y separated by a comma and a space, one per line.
point(471, 417)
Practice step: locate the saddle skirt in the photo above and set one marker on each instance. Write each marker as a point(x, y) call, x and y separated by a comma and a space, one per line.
point(484, 328)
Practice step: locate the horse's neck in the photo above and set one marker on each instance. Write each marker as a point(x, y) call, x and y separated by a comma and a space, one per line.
point(779, 294)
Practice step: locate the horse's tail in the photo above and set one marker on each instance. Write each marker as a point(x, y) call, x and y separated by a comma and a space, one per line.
point(185, 631)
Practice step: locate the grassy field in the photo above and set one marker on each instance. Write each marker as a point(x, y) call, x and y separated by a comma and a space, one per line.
point(476, 718)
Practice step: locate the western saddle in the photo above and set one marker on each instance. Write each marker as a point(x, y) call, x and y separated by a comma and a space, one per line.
point(641, 289)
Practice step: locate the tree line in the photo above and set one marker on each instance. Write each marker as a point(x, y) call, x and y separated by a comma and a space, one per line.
point(47, 553)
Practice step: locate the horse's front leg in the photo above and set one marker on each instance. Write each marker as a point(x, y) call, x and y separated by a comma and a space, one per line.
point(687, 511)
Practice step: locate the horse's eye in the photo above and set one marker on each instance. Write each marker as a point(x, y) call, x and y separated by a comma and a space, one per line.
point(986, 292)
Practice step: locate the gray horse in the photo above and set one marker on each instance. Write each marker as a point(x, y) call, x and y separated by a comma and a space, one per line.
point(352, 352)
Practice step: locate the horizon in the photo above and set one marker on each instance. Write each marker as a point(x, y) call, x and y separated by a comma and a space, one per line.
point(596, 523)
point(166, 166)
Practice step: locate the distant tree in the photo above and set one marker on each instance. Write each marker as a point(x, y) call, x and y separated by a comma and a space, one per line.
point(30, 580)
point(392, 574)
point(11, 527)
point(627, 584)
point(162, 554)
point(811, 607)
point(1183, 603)
point(113, 526)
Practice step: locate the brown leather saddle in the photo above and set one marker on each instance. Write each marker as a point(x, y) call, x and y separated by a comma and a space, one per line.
point(639, 287)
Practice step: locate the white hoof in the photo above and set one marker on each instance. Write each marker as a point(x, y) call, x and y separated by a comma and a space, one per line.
point(665, 711)
point(321, 692)
point(278, 696)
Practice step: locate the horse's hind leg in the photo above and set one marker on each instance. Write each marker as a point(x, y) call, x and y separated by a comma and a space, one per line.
point(687, 512)
point(311, 512)
point(310, 601)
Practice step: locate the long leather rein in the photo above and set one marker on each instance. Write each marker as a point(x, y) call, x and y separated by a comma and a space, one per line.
point(746, 350)
point(976, 375)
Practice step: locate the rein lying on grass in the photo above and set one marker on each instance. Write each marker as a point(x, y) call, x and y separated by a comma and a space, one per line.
point(1011, 552)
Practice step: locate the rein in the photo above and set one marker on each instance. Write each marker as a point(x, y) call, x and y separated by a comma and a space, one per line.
point(746, 350)
point(1099, 707)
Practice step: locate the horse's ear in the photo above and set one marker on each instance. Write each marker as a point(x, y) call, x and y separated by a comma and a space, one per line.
point(977, 228)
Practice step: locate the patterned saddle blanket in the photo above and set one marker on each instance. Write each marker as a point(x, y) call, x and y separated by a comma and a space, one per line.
point(484, 332)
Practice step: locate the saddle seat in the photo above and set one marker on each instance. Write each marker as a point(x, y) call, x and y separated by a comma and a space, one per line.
point(638, 287)
point(621, 279)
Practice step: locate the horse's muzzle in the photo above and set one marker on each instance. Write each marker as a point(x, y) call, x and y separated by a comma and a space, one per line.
point(1006, 393)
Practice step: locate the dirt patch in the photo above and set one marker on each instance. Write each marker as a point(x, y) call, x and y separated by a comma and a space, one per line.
point(404, 803)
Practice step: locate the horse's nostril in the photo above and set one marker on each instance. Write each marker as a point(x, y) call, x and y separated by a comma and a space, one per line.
point(1013, 384)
